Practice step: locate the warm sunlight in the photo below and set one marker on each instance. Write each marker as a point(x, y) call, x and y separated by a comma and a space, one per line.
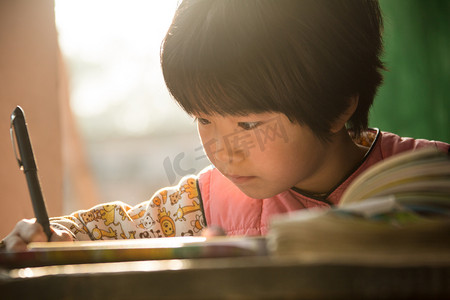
point(132, 130)
point(112, 49)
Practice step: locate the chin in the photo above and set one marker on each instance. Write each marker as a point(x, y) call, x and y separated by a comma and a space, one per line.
point(257, 194)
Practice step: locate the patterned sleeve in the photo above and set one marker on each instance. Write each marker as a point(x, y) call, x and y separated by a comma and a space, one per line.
point(172, 211)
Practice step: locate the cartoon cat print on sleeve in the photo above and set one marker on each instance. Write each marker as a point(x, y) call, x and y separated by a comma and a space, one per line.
point(172, 211)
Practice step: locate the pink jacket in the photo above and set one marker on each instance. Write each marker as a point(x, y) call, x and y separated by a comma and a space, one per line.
point(226, 206)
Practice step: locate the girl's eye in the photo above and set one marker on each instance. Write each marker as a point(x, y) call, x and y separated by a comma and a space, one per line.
point(203, 121)
point(249, 125)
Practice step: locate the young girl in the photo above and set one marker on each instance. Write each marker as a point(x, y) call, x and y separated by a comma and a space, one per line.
point(281, 92)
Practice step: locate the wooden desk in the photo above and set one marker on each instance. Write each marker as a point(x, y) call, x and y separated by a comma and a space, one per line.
point(226, 278)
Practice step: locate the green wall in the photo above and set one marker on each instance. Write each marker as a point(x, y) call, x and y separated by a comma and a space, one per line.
point(415, 97)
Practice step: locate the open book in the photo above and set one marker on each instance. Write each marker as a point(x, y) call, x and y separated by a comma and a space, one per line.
point(396, 211)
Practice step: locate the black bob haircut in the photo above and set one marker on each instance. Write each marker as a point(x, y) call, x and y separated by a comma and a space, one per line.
point(302, 58)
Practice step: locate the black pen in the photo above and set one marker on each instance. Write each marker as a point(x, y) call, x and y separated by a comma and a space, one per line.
point(27, 164)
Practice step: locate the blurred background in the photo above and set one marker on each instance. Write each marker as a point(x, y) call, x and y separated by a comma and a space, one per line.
point(415, 97)
point(103, 125)
point(132, 131)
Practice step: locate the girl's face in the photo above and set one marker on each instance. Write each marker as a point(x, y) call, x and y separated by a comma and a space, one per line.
point(263, 154)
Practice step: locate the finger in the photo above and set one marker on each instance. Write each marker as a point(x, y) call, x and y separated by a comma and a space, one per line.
point(14, 243)
point(60, 236)
point(213, 231)
point(30, 231)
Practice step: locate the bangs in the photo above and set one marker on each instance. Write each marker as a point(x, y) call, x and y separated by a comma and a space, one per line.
point(216, 93)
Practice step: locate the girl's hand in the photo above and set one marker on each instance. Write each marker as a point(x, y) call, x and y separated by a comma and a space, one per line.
point(27, 231)
point(213, 231)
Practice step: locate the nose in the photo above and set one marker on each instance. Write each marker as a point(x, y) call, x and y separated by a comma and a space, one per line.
point(225, 151)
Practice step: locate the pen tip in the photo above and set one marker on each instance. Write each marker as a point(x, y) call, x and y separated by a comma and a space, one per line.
point(18, 111)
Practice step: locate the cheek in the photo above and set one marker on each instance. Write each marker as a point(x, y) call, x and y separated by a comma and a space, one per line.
point(208, 142)
point(275, 158)
point(296, 155)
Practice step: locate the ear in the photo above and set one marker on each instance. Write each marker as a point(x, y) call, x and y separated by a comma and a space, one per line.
point(340, 122)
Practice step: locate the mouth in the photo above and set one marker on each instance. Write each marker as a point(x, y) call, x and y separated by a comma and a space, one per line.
point(237, 179)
